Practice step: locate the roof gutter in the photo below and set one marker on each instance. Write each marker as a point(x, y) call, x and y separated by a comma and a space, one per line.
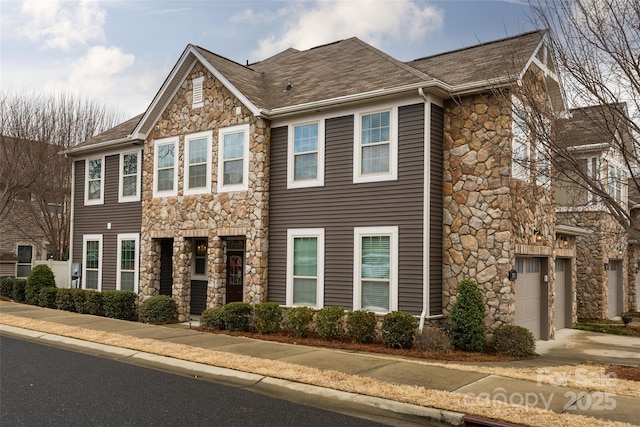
point(99, 146)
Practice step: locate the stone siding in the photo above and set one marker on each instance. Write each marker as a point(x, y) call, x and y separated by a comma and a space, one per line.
point(211, 215)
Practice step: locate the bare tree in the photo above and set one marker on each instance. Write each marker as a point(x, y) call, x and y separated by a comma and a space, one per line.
point(595, 46)
point(35, 180)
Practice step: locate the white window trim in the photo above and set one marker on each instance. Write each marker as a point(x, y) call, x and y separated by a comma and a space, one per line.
point(136, 197)
point(392, 175)
point(99, 201)
point(193, 136)
point(518, 171)
point(136, 275)
point(165, 141)
point(18, 263)
point(358, 233)
point(244, 186)
point(86, 238)
point(319, 181)
point(204, 276)
point(306, 232)
point(197, 92)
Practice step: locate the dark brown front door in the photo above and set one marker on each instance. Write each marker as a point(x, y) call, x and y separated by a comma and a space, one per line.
point(235, 270)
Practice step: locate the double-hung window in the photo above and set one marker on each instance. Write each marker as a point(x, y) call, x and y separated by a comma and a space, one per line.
point(94, 181)
point(197, 168)
point(520, 143)
point(233, 158)
point(376, 146)
point(305, 164)
point(165, 167)
point(375, 269)
point(615, 176)
point(305, 267)
point(92, 261)
point(25, 257)
point(127, 274)
point(129, 190)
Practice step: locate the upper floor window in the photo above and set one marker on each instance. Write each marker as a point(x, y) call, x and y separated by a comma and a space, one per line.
point(376, 146)
point(305, 267)
point(94, 181)
point(233, 158)
point(197, 168)
point(616, 183)
point(520, 143)
point(198, 95)
point(129, 190)
point(165, 171)
point(375, 269)
point(305, 164)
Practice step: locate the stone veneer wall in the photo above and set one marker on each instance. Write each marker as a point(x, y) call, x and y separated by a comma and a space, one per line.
point(592, 252)
point(478, 237)
point(214, 215)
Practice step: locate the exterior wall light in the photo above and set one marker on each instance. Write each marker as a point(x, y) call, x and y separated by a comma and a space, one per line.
point(606, 266)
point(538, 235)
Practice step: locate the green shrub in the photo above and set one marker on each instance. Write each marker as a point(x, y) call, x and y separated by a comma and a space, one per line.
point(236, 316)
point(467, 318)
point(6, 287)
point(514, 341)
point(18, 293)
point(91, 303)
point(79, 297)
point(40, 277)
point(626, 318)
point(298, 321)
point(65, 299)
point(329, 322)
point(158, 309)
point(120, 304)
point(211, 319)
point(398, 329)
point(268, 317)
point(361, 326)
point(434, 339)
point(47, 297)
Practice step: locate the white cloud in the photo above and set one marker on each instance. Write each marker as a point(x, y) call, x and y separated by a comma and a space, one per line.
point(62, 24)
point(309, 24)
point(98, 70)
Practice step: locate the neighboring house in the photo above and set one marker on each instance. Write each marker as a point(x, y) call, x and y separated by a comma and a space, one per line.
point(606, 278)
point(106, 214)
point(333, 176)
point(22, 241)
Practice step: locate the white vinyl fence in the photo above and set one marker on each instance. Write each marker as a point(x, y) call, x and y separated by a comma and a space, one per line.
point(61, 270)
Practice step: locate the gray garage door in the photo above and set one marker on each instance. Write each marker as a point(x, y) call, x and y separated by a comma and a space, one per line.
point(529, 295)
point(563, 294)
point(615, 288)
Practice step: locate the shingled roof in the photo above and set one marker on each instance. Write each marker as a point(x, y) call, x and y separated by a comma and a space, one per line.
point(116, 133)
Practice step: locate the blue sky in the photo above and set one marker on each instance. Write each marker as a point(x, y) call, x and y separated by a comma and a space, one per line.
point(120, 52)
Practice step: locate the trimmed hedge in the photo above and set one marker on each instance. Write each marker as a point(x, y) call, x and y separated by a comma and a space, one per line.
point(236, 316)
point(268, 317)
point(398, 329)
point(158, 309)
point(467, 318)
point(47, 297)
point(298, 321)
point(65, 299)
point(40, 277)
point(211, 319)
point(361, 326)
point(514, 341)
point(90, 302)
point(18, 293)
point(329, 322)
point(120, 304)
point(6, 287)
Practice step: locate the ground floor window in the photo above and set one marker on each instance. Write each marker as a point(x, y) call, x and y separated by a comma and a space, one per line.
point(25, 256)
point(305, 267)
point(375, 269)
point(92, 261)
point(127, 277)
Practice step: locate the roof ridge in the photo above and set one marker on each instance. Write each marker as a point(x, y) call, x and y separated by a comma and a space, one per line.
point(224, 58)
point(393, 60)
point(475, 46)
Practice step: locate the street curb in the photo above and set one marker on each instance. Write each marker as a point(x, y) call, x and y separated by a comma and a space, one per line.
point(259, 383)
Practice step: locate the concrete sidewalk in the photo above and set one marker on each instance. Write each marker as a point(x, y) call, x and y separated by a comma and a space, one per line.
point(571, 348)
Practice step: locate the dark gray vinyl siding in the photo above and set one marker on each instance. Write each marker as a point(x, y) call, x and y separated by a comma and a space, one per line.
point(341, 205)
point(124, 218)
point(436, 210)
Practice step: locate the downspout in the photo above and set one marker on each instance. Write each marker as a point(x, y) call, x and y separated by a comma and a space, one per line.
point(426, 208)
point(71, 213)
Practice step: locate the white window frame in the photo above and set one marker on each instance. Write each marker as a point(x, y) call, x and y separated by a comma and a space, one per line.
point(197, 92)
point(136, 274)
point(358, 234)
point(244, 185)
point(392, 175)
point(520, 137)
point(136, 197)
point(99, 201)
point(208, 135)
point(291, 155)
point(306, 232)
point(18, 263)
point(194, 275)
point(91, 238)
point(157, 143)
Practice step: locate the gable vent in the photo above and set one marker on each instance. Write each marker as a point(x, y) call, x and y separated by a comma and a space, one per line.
point(197, 92)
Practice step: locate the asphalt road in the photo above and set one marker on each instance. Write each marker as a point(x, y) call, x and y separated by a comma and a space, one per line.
point(42, 385)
